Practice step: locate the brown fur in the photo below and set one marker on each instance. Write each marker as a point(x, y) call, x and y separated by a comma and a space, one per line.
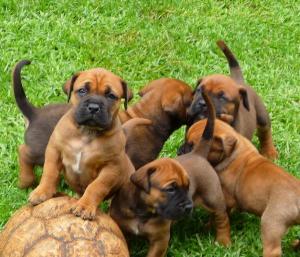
point(94, 162)
point(253, 183)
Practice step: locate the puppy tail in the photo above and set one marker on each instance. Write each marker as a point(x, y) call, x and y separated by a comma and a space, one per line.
point(235, 69)
point(207, 137)
point(26, 108)
point(130, 124)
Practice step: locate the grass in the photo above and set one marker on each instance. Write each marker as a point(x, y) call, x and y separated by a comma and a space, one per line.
point(146, 40)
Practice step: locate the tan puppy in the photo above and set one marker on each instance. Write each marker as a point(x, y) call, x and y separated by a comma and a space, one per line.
point(161, 191)
point(236, 103)
point(253, 183)
point(88, 144)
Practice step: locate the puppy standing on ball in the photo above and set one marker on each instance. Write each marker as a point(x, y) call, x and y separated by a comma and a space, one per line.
point(162, 190)
point(252, 183)
point(236, 103)
point(88, 144)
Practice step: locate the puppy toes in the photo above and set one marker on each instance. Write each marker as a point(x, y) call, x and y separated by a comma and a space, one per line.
point(224, 240)
point(40, 195)
point(84, 211)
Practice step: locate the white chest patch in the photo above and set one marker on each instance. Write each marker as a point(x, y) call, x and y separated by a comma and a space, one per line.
point(76, 165)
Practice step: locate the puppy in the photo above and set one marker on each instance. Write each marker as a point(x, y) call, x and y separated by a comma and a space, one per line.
point(161, 191)
point(236, 103)
point(88, 144)
point(253, 183)
point(40, 124)
point(164, 102)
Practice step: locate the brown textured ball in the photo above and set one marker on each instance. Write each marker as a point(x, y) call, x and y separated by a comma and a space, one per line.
point(49, 229)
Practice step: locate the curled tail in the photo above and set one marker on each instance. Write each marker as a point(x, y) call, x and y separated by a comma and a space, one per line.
point(235, 69)
point(207, 137)
point(26, 108)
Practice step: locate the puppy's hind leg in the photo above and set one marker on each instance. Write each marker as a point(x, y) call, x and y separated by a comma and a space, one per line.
point(272, 230)
point(26, 174)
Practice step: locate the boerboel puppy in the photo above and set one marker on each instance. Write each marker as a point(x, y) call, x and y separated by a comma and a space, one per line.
point(253, 183)
point(161, 191)
point(236, 104)
point(88, 143)
point(143, 144)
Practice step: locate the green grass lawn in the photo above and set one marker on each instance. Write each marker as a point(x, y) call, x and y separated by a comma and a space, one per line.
point(146, 40)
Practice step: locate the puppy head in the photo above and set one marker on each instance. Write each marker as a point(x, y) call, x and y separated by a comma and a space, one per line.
point(224, 141)
point(164, 184)
point(226, 95)
point(96, 96)
point(173, 96)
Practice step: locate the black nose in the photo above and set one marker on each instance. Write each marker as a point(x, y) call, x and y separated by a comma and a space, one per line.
point(93, 107)
point(201, 103)
point(188, 207)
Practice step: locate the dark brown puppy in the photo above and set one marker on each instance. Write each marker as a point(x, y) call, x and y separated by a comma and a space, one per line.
point(40, 124)
point(88, 143)
point(253, 183)
point(236, 103)
point(164, 102)
point(143, 144)
point(161, 191)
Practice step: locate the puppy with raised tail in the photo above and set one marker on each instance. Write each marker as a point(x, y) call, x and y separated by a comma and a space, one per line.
point(88, 143)
point(252, 183)
point(236, 104)
point(164, 190)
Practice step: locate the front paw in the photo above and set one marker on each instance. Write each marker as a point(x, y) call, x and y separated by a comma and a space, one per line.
point(85, 211)
point(40, 195)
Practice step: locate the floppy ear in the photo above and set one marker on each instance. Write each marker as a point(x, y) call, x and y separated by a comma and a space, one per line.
point(72, 81)
point(227, 143)
point(244, 95)
point(127, 94)
point(145, 90)
point(66, 86)
point(141, 178)
point(172, 103)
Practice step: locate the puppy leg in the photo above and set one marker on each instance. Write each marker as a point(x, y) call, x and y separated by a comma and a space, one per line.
point(95, 193)
point(222, 228)
point(158, 244)
point(47, 187)
point(264, 131)
point(26, 175)
point(272, 231)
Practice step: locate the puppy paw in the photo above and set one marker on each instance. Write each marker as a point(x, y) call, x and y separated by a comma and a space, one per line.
point(85, 211)
point(269, 152)
point(40, 195)
point(224, 240)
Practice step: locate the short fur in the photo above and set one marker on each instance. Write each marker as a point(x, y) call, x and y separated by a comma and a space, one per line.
point(88, 144)
point(137, 207)
point(236, 103)
point(253, 183)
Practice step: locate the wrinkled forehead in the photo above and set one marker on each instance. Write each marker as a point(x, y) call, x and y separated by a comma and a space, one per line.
point(99, 80)
point(217, 83)
point(168, 172)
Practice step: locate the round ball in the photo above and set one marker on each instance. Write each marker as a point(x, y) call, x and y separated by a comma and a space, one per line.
point(49, 229)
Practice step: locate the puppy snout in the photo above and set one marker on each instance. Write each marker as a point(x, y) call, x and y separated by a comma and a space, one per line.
point(93, 108)
point(187, 206)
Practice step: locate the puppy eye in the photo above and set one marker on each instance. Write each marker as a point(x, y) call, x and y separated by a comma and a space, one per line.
point(82, 91)
point(172, 188)
point(111, 96)
point(222, 96)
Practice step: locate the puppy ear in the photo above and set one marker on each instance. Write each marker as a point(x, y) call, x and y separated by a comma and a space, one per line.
point(244, 95)
point(66, 86)
point(186, 147)
point(227, 143)
point(72, 82)
point(145, 90)
point(127, 93)
point(141, 178)
point(172, 103)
